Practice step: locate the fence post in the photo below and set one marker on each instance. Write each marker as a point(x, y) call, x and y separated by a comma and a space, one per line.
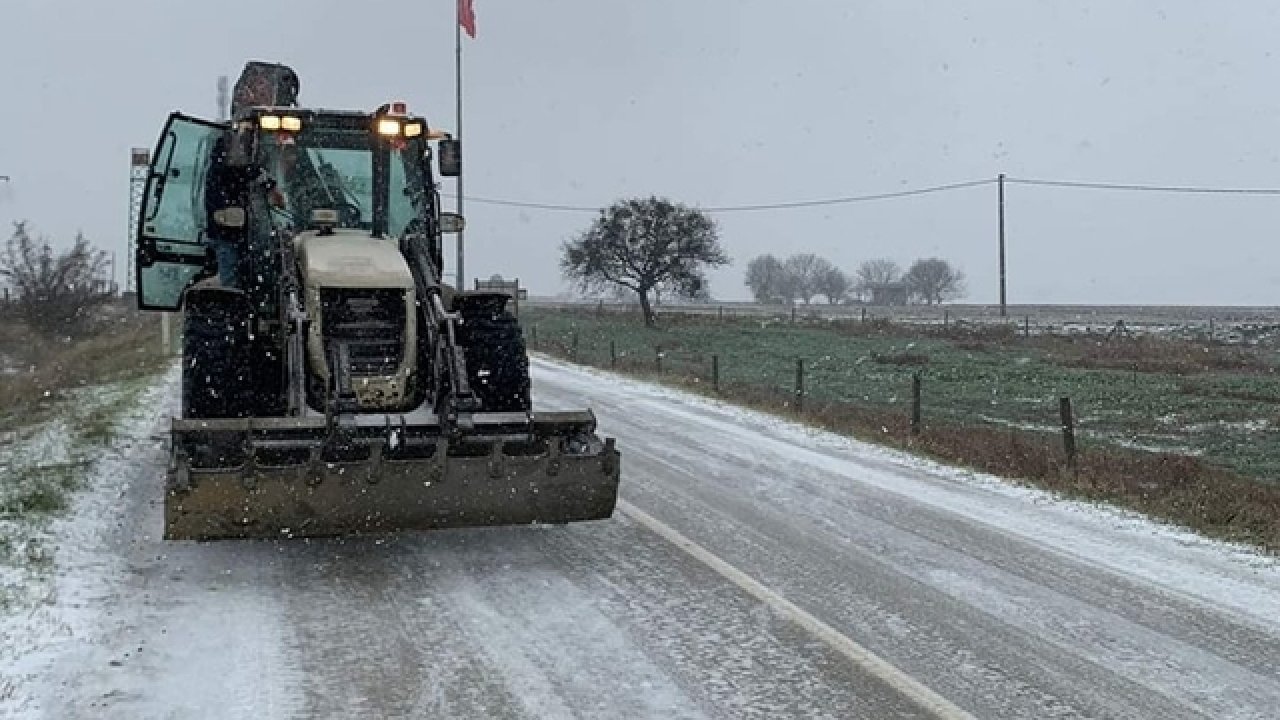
point(1026, 326)
point(1068, 430)
point(721, 313)
point(715, 373)
point(534, 330)
point(799, 384)
point(915, 404)
point(573, 352)
point(613, 354)
point(657, 356)
point(864, 316)
point(946, 319)
point(793, 314)
point(1210, 329)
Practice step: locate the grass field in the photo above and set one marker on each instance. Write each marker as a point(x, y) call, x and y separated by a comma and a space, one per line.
point(38, 373)
point(62, 399)
point(1156, 410)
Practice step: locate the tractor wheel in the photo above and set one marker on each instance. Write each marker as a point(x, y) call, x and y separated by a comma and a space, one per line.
point(216, 377)
point(497, 365)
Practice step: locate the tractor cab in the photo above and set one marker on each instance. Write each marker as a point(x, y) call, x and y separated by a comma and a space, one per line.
point(284, 163)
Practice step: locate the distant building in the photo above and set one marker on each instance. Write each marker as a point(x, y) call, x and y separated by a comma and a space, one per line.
point(890, 293)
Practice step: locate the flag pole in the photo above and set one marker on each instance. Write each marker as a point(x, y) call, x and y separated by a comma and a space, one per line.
point(457, 66)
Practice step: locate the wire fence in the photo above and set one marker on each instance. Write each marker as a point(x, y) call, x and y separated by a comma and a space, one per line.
point(1194, 396)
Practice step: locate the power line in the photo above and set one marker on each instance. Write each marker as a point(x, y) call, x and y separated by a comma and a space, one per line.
point(851, 199)
point(749, 208)
point(1191, 189)
point(522, 204)
point(797, 204)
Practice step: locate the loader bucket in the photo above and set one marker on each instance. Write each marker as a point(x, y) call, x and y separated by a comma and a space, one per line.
point(290, 477)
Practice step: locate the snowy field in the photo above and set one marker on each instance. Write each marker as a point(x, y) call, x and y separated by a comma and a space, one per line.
point(1230, 324)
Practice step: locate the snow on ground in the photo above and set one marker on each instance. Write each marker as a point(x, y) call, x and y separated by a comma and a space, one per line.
point(52, 604)
point(134, 627)
point(1222, 575)
point(45, 455)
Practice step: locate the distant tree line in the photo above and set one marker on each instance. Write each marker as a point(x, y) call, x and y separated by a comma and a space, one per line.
point(650, 248)
point(804, 277)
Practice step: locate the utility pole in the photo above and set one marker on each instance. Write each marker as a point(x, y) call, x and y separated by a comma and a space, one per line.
point(460, 276)
point(224, 98)
point(1003, 298)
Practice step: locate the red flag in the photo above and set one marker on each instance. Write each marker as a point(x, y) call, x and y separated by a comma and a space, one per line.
point(467, 17)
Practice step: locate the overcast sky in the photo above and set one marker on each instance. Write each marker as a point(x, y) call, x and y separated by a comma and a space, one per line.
point(725, 102)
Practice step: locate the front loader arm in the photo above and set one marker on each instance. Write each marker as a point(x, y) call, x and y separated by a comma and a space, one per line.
point(449, 366)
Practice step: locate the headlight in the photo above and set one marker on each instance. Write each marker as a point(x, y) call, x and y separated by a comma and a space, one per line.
point(269, 122)
point(292, 124)
point(412, 129)
point(388, 127)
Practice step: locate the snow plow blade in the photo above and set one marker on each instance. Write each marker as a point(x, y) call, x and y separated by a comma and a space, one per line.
point(307, 477)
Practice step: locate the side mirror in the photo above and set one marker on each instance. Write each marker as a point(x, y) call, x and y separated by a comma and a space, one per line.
point(451, 222)
point(450, 157)
point(229, 217)
point(325, 218)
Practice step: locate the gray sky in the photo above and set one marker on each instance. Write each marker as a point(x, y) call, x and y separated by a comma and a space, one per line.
point(723, 102)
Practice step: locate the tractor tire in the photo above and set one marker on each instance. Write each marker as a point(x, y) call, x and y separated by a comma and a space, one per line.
point(497, 364)
point(216, 377)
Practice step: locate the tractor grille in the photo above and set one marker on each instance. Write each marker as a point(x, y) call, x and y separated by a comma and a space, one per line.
point(370, 323)
point(373, 359)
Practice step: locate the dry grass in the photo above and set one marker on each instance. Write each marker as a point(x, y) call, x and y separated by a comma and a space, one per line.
point(1177, 488)
point(121, 346)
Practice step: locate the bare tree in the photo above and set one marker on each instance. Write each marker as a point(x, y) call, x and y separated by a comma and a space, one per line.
point(55, 292)
point(875, 272)
point(933, 281)
point(646, 245)
point(767, 280)
point(804, 271)
point(835, 285)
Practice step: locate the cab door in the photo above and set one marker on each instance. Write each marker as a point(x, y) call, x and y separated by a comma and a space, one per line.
point(172, 251)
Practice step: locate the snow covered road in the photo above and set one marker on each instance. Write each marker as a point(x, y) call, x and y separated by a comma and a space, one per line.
point(1001, 600)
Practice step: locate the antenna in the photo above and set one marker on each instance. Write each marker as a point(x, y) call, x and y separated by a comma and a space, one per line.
point(223, 97)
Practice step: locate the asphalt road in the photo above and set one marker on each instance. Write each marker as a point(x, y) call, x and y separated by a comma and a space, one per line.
point(755, 571)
